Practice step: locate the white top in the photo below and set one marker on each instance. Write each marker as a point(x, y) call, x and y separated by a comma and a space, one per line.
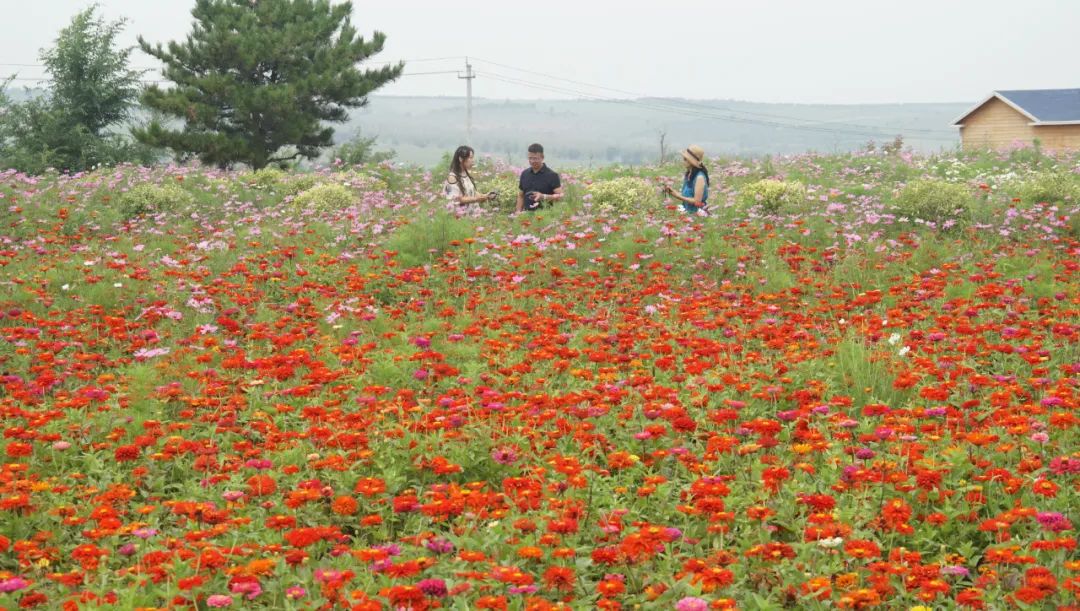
point(453, 190)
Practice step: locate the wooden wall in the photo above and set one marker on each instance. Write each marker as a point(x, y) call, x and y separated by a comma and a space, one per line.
point(996, 125)
point(1058, 137)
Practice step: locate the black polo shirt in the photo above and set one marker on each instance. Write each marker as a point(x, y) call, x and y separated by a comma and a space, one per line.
point(545, 181)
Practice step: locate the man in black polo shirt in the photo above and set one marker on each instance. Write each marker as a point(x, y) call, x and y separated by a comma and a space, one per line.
point(538, 184)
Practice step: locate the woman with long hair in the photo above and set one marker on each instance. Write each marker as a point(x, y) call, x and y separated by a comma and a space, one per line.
point(695, 189)
point(460, 187)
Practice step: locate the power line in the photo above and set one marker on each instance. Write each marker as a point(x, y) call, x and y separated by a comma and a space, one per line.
point(710, 107)
point(432, 72)
point(45, 79)
point(693, 113)
point(381, 63)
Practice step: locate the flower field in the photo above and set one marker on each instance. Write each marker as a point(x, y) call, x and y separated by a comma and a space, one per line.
point(329, 390)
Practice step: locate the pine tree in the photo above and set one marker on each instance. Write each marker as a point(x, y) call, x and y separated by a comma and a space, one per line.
point(256, 80)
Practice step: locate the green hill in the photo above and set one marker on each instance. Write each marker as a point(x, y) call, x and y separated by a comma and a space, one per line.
point(587, 132)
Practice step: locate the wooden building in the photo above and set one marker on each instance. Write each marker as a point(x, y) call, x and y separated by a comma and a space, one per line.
point(1007, 118)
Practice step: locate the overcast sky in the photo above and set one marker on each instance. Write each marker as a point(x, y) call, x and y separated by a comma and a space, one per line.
point(823, 51)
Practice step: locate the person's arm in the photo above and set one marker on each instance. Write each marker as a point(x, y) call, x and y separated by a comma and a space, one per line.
point(556, 196)
point(520, 201)
point(699, 192)
point(453, 193)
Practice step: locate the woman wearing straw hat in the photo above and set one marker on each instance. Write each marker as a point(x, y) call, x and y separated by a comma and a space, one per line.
point(695, 188)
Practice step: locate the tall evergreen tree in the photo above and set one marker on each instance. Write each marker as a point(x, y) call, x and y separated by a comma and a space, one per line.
point(256, 80)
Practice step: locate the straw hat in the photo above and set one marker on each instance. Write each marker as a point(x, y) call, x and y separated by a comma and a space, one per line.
point(695, 155)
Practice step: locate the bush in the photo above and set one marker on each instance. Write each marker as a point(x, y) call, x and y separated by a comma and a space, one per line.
point(624, 194)
point(505, 184)
point(324, 198)
point(153, 199)
point(298, 184)
point(771, 195)
point(934, 200)
point(1048, 188)
point(265, 178)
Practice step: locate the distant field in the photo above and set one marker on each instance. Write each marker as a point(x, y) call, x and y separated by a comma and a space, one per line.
point(593, 133)
point(584, 133)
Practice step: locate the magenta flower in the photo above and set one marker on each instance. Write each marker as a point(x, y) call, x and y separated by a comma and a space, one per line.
point(440, 546)
point(504, 455)
point(433, 587)
point(1053, 521)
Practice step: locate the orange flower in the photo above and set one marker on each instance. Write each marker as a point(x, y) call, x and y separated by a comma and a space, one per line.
point(261, 485)
point(559, 578)
point(370, 486)
point(862, 549)
point(530, 553)
point(344, 506)
point(1045, 487)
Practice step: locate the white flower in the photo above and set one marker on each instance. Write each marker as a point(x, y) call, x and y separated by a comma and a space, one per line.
point(894, 339)
point(904, 350)
point(830, 542)
point(65, 287)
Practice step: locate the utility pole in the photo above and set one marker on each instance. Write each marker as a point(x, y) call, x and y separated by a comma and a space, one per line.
point(469, 76)
point(663, 151)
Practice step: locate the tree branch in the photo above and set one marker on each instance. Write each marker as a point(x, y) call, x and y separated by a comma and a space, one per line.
point(290, 157)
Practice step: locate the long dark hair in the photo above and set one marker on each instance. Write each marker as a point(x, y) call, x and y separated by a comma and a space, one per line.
point(457, 165)
point(693, 170)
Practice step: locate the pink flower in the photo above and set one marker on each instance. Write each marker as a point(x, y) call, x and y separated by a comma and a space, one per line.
point(13, 584)
point(692, 603)
point(250, 588)
point(144, 354)
point(955, 570)
point(295, 592)
point(219, 600)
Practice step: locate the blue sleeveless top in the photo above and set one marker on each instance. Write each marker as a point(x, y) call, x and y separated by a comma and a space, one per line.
point(688, 190)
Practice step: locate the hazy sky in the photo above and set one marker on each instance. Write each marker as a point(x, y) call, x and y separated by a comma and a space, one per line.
point(824, 51)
